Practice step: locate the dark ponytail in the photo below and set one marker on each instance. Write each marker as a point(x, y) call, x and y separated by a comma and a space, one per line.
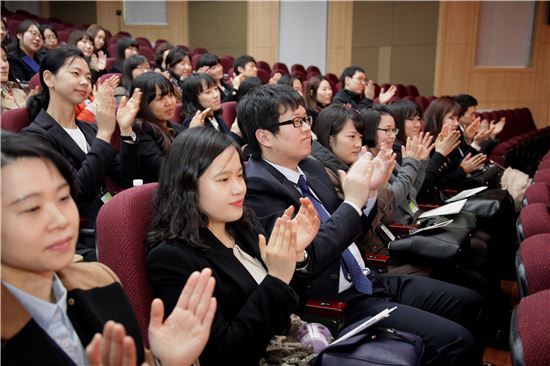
point(53, 61)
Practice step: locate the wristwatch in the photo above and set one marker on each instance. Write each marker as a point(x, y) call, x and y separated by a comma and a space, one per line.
point(131, 138)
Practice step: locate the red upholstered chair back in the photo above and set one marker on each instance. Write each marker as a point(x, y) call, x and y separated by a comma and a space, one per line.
point(35, 81)
point(534, 256)
point(534, 219)
point(14, 120)
point(264, 65)
point(530, 338)
point(537, 193)
point(148, 53)
point(263, 75)
point(543, 176)
point(120, 230)
point(229, 112)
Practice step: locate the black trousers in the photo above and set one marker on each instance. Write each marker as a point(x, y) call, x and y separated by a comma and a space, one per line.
point(446, 316)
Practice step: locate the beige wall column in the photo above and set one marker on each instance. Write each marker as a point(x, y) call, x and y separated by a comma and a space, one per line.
point(262, 32)
point(176, 31)
point(339, 29)
point(494, 87)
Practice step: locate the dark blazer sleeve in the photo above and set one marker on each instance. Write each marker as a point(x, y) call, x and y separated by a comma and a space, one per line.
point(18, 67)
point(150, 154)
point(269, 198)
point(241, 339)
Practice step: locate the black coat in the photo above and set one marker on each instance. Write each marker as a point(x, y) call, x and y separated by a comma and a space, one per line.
point(248, 314)
point(348, 97)
point(19, 68)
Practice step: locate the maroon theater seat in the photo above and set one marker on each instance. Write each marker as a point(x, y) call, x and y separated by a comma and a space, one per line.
point(148, 53)
point(227, 63)
point(313, 69)
point(332, 78)
point(143, 42)
point(195, 60)
point(14, 120)
point(534, 219)
point(529, 335)
point(229, 112)
point(412, 90)
point(158, 42)
point(264, 65)
point(200, 50)
point(111, 61)
point(281, 66)
point(120, 230)
point(104, 77)
point(263, 76)
point(537, 193)
point(35, 82)
point(297, 67)
point(533, 264)
point(542, 175)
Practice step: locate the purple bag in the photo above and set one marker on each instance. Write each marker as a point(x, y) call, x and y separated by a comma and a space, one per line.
point(373, 347)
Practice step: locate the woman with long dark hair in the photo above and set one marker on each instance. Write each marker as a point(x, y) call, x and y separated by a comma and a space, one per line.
point(199, 220)
point(178, 64)
point(66, 81)
point(318, 95)
point(100, 38)
point(132, 67)
point(51, 39)
point(24, 58)
point(154, 130)
point(125, 47)
point(57, 306)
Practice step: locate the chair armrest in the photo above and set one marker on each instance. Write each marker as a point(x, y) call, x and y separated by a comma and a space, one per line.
point(449, 192)
point(331, 309)
point(427, 206)
point(401, 228)
point(377, 262)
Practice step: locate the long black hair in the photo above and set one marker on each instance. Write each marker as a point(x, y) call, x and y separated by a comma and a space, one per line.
point(190, 90)
point(436, 111)
point(402, 110)
point(121, 45)
point(173, 57)
point(148, 83)
point(128, 66)
point(18, 146)
point(52, 62)
point(176, 211)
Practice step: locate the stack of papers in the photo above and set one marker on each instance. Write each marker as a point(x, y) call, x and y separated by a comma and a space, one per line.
point(448, 209)
point(466, 193)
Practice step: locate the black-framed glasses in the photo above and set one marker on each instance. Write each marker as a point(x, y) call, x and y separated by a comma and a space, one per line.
point(298, 122)
point(389, 131)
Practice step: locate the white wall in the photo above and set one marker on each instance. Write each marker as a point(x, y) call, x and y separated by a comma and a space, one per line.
point(303, 33)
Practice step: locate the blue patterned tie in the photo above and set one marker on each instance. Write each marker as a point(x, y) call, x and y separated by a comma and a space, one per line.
point(348, 261)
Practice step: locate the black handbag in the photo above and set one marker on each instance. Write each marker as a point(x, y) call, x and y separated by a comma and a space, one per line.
point(439, 247)
point(489, 176)
point(373, 347)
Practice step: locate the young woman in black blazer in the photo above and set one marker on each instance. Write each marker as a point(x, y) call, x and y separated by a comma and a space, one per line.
point(153, 128)
point(53, 307)
point(65, 79)
point(199, 221)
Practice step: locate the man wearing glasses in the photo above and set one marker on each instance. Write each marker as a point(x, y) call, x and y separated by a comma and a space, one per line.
point(358, 91)
point(279, 173)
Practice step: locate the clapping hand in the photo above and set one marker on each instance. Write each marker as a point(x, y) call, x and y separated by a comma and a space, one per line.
point(112, 348)
point(472, 163)
point(280, 254)
point(127, 112)
point(307, 224)
point(447, 140)
point(180, 339)
point(386, 95)
point(199, 117)
point(98, 62)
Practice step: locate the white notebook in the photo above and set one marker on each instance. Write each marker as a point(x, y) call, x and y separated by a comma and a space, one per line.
point(466, 193)
point(366, 324)
point(448, 209)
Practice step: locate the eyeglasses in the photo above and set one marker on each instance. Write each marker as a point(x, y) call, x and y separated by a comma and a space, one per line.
point(389, 131)
point(34, 34)
point(298, 122)
point(52, 36)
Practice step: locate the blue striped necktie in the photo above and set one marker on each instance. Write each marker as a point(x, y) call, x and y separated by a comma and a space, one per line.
point(361, 282)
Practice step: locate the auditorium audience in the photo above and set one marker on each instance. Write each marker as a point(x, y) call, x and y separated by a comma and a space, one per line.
point(452, 169)
point(212, 65)
point(100, 38)
point(125, 47)
point(481, 135)
point(60, 312)
point(202, 103)
point(255, 283)
point(358, 91)
point(24, 57)
point(132, 67)
point(279, 137)
point(13, 94)
point(317, 96)
point(65, 80)
point(178, 63)
point(51, 38)
point(155, 133)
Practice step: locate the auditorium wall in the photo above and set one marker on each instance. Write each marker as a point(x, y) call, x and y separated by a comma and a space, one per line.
point(494, 87)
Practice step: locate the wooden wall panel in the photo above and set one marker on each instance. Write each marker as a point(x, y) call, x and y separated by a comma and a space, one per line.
point(495, 88)
point(339, 40)
point(176, 31)
point(263, 30)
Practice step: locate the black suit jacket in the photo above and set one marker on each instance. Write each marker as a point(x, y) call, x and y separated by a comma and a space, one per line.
point(19, 68)
point(94, 296)
point(91, 169)
point(248, 314)
point(269, 193)
point(150, 152)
